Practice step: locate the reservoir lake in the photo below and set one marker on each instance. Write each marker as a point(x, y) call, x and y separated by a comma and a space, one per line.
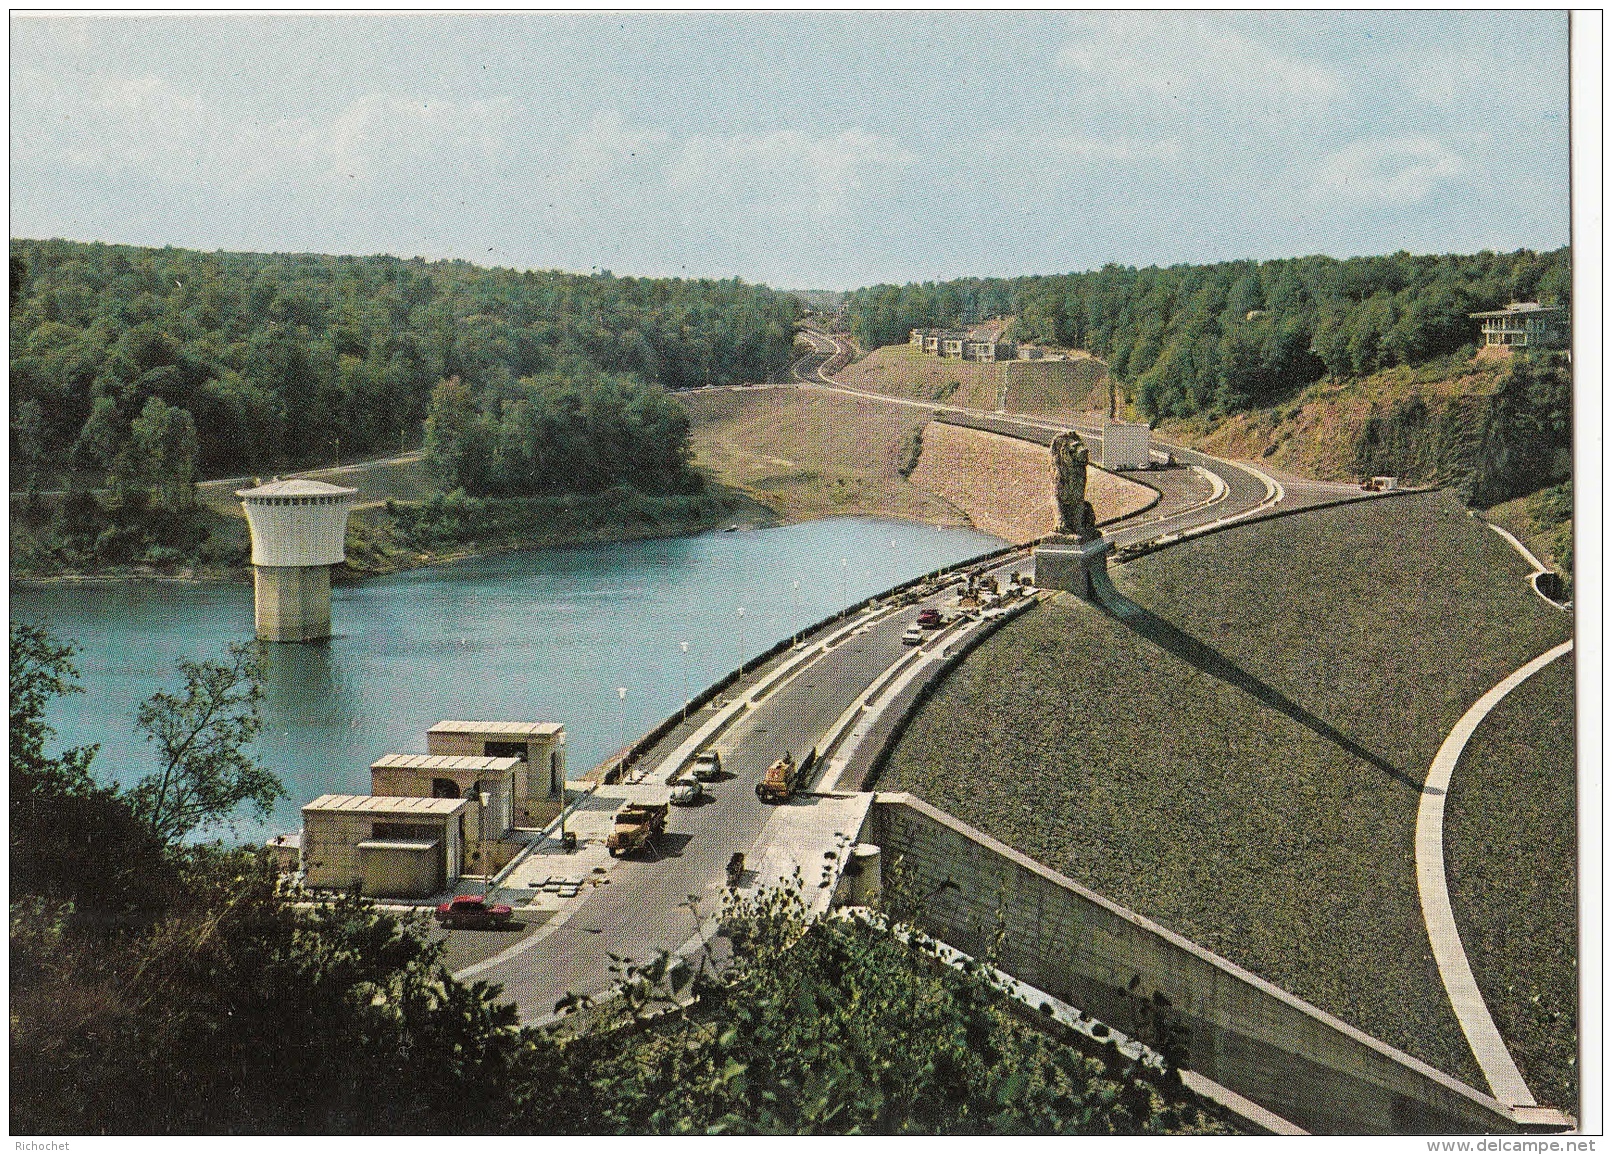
point(538, 636)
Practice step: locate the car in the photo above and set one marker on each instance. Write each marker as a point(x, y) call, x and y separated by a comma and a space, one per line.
point(913, 637)
point(929, 618)
point(473, 911)
point(686, 791)
point(707, 766)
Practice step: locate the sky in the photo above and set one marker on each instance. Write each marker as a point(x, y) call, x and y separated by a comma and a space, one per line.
point(800, 150)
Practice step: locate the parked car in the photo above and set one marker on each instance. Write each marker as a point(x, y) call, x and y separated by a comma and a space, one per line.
point(686, 791)
point(707, 766)
point(913, 637)
point(474, 912)
point(930, 618)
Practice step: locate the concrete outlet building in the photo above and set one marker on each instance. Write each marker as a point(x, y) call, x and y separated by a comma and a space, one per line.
point(388, 847)
point(539, 780)
point(454, 776)
point(299, 530)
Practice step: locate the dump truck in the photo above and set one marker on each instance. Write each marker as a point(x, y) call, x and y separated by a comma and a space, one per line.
point(638, 824)
point(784, 777)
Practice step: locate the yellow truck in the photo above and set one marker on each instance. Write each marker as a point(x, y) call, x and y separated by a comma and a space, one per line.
point(638, 824)
point(784, 777)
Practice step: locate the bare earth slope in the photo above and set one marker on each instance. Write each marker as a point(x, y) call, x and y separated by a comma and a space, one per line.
point(1242, 759)
point(1004, 484)
point(1324, 432)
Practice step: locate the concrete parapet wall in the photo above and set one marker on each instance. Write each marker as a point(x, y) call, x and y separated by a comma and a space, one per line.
point(1221, 1021)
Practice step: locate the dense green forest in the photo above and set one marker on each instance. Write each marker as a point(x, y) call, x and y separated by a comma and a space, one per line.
point(1236, 335)
point(572, 430)
point(262, 362)
point(161, 985)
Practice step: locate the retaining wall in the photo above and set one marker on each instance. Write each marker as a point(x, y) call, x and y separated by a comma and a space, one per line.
point(1213, 1017)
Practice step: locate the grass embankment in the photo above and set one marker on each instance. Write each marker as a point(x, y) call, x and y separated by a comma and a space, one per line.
point(1513, 801)
point(904, 371)
point(1004, 484)
point(1018, 386)
point(1242, 761)
point(1078, 385)
point(805, 454)
point(1543, 522)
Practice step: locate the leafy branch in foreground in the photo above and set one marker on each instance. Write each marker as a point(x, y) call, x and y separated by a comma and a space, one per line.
point(201, 738)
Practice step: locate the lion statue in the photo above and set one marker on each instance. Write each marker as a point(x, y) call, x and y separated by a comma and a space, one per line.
point(1069, 461)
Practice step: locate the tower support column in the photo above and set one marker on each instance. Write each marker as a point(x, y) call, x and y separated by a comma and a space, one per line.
point(293, 602)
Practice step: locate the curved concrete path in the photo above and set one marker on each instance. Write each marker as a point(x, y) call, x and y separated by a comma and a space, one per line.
point(1505, 1080)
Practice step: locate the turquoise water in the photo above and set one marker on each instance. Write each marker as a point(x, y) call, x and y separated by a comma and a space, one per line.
point(546, 635)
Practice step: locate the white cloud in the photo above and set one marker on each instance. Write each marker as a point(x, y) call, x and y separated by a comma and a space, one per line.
point(1192, 58)
point(787, 171)
point(149, 125)
point(1398, 170)
point(1115, 148)
point(607, 146)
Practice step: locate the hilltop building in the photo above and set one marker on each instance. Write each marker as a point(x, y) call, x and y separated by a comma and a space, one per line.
point(1525, 324)
point(961, 345)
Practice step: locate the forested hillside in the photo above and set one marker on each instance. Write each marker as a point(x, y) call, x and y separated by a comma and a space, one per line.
point(1240, 334)
point(261, 362)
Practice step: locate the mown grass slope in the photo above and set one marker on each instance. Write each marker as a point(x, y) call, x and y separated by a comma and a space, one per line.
point(1080, 383)
point(805, 453)
point(1513, 801)
point(904, 371)
point(1241, 758)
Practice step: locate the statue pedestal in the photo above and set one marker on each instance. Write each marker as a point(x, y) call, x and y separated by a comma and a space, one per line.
point(1067, 563)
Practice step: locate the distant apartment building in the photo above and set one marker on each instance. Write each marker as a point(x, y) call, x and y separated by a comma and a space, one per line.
point(1521, 325)
point(960, 345)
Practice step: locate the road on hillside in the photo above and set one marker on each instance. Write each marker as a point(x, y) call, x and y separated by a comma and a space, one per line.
point(1248, 489)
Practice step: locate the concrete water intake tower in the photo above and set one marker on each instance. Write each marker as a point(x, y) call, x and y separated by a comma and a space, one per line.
point(299, 530)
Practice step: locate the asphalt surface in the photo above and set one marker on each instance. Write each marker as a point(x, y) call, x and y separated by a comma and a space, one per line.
point(656, 902)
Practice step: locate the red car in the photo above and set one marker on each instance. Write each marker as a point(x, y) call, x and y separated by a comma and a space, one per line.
point(930, 619)
point(474, 911)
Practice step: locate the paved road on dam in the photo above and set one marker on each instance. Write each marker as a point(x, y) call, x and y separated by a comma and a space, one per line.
point(653, 902)
point(638, 905)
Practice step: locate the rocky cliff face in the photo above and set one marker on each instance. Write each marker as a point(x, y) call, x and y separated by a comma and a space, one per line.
point(1494, 430)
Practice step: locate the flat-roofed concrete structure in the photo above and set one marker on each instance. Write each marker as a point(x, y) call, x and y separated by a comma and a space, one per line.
point(299, 530)
point(539, 783)
point(987, 349)
point(454, 776)
point(388, 847)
